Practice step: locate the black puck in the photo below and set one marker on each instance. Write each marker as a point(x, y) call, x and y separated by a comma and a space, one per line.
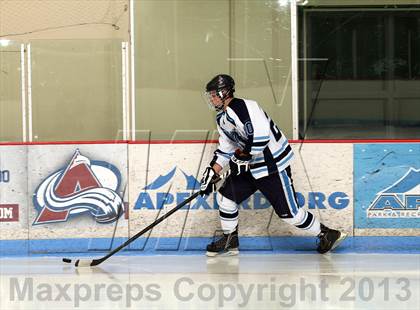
point(67, 260)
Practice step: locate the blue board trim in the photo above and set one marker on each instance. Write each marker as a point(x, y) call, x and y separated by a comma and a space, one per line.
point(196, 246)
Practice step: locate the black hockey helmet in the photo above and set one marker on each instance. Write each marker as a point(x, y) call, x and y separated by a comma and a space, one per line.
point(222, 86)
point(221, 82)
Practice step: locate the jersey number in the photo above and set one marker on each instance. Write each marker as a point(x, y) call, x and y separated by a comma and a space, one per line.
point(275, 130)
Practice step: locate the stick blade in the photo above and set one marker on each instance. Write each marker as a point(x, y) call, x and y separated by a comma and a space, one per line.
point(67, 260)
point(83, 263)
point(96, 262)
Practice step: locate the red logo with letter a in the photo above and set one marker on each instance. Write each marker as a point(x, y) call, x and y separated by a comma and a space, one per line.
point(83, 186)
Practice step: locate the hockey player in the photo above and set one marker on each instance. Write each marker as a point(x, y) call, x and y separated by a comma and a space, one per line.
point(258, 155)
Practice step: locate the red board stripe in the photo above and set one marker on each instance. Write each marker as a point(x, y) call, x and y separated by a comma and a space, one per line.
point(204, 141)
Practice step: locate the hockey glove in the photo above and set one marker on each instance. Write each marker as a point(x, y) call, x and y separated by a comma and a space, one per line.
point(208, 181)
point(239, 163)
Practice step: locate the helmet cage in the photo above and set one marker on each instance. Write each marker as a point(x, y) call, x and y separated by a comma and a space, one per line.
point(216, 98)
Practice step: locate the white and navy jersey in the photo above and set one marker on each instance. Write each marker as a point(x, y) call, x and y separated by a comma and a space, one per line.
point(244, 125)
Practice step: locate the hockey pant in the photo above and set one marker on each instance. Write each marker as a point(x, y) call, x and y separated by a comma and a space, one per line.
point(278, 190)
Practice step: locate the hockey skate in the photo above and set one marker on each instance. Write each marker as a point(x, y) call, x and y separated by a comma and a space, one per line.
point(329, 239)
point(227, 245)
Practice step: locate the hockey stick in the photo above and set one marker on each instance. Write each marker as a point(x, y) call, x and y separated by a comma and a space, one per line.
point(95, 262)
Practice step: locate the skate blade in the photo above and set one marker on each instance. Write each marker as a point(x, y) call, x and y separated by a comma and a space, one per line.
point(231, 252)
point(339, 240)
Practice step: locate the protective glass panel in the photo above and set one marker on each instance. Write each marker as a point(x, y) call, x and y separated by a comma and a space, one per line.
point(197, 40)
point(261, 57)
point(76, 90)
point(10, 92)
point(358, 73)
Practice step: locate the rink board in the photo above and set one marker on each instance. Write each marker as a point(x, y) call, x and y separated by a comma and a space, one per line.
point(153, 178)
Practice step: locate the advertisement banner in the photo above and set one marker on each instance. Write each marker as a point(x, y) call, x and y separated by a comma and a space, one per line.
point(77, 191)
point(13, 192)
point(387, 185)
point(9, 213)
point(163, 175)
